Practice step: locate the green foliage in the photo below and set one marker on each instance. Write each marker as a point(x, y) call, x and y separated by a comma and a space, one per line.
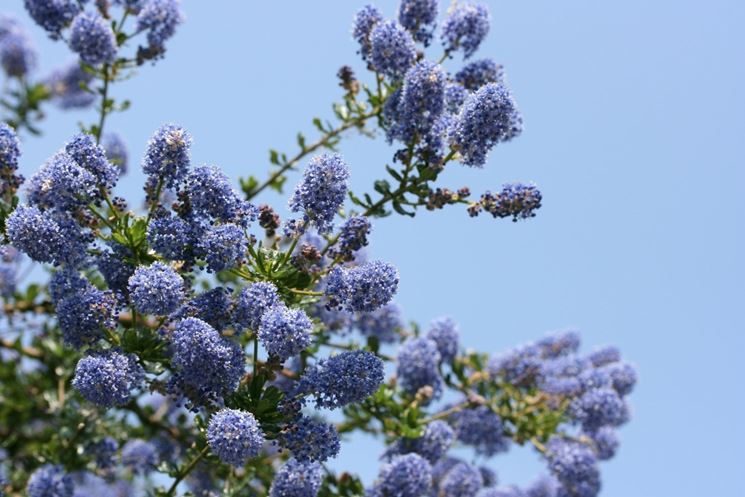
point(344, 485)
point(24, 105)
point(262, 401)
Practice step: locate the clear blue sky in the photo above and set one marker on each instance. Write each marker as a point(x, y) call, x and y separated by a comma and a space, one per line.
point(635, 126)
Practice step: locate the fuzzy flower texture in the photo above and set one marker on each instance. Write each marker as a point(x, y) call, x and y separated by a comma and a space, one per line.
point(246, 343)
point(440, 116)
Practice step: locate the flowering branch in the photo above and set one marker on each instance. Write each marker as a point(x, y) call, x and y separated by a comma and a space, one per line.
point(187, 338)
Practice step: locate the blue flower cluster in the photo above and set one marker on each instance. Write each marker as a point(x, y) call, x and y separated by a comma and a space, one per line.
point(433, 113)
point(342, 379)
point(594, 387)
point(67, 87)
point(116, 150)
point(253, 302)
point(575, 466)
point(284, 331)
point(392, 49)
point(463, 480)
point(223, 247)
point(84, 312)
point(352, 237)
point(86, 153)
point(140, 456)
point(465, 27)
point(420, 105)
point(364, 22)
point(108, 378)
point(384, 324)
point(310, 440)
point(171, 237)
point(211, 195)
point(235, 436)
point(52, 15)
point(49, 481)
point(157, 289)
point(10, 151)
point(418, 366)
point(18, 55)
point(73, 177)
point(419, 17)
point(167, 156)
point(488, 116)
point(478, 73)
point(363, 288)
point(516, 200)
point(322, 190)
point(434, 443)
point(92, 38)
point(480, 428)
point(444, 332)
point(297, 479)
point(208, 366)
point(159, 18)
point(408, 475)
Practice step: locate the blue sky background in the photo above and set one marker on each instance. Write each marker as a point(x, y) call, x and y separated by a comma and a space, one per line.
point(635, 125)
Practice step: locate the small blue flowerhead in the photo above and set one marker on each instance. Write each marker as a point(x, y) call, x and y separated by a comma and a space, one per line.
point(92, 38)
point(107, 378)
point(322, 190)
point(156, 289)
point(234, 436)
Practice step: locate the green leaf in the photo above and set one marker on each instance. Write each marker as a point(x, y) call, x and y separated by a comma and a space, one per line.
point(248, 185)
point(394, 173)
point(274, 157)
point(382, 186)
point(119, 238)
point(318, 124)
point(356, 200)
point(138, 232)
point(278, 183)
point(398, 208)
point(291, 277)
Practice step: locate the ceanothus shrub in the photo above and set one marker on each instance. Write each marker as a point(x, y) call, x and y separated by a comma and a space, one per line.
point(199, 341)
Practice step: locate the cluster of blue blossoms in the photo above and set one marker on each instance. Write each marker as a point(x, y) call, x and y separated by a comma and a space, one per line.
point(99, 43)
point(66, 86)
point(592, 387)
point(91, 35)
point(469, 112)
point(229, 330)
point(18, 55)
point(55, 227)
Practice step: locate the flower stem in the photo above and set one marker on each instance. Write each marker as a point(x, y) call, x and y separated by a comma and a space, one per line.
point(322, 142)
point(104, 103)
point(185, 472)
